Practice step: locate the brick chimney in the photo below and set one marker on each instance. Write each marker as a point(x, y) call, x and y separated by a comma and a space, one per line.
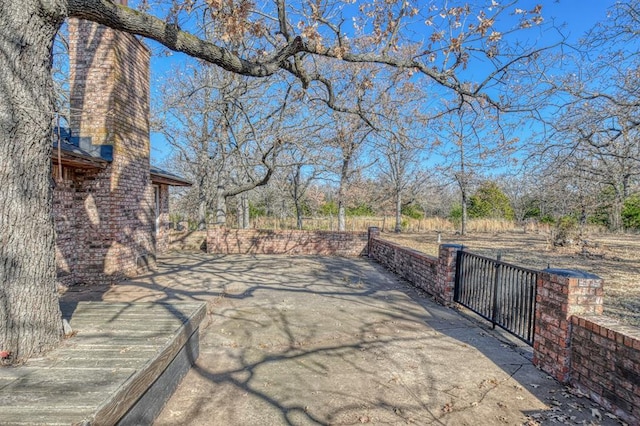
point(109, 84)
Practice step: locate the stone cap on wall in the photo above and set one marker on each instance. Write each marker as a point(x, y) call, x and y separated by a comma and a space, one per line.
point(571, 273)
point(454, 246)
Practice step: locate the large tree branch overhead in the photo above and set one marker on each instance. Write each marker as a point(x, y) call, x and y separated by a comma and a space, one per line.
point(170, 35)
point(126, 19)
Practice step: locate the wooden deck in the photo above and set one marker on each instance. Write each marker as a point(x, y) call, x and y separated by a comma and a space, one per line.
point(104, 374)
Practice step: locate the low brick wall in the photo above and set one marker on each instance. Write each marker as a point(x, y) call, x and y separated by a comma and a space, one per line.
point(435, 275)
point(605, 364)
point(416, 267)
point(254, 241)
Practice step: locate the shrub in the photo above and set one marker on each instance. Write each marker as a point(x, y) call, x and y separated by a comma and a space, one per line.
point(631, 212)
point(413, 211)
point(456, 213)
point(175, 218)
point(565, 233)
point(547, 219)
point(490, 202)
point(329, 208)
point(256, 210)
point(361, 210)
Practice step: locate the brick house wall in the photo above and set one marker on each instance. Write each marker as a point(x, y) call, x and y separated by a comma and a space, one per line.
point(162, 219)
point(65, 224)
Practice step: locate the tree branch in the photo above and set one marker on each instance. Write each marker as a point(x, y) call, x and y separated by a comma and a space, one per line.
point(129, 20)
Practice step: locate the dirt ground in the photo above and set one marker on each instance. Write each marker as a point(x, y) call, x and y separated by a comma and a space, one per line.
point(613, 257)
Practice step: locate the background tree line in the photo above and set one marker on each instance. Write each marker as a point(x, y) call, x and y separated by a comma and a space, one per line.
point(392, 149)
point(562, 143)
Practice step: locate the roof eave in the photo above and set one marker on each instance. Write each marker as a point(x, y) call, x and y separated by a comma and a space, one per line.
point(166, 180)
point(67, 158)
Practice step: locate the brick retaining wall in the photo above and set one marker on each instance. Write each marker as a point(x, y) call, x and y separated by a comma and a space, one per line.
point(561, 294)
point(605, 364)
point(573, 342)
point(255, 241)
point(435, 275)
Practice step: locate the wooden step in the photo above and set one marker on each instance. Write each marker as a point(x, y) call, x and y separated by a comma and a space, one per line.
point(121, 367)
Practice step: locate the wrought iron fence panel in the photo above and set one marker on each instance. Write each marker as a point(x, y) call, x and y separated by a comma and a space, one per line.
point(502, 293)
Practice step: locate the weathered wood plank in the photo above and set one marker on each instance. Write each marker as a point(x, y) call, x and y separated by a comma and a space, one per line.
point(152, 333)
point(99, 374)
point(90, 309)
point(133, 361)
point(50, 416)
point(77, 400)
point(54, 380)
point(128, 324)
point(120, 340)
point(100, 352)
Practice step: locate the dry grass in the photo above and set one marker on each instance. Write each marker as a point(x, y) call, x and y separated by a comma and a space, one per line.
point(614, 257)
point(387, 223)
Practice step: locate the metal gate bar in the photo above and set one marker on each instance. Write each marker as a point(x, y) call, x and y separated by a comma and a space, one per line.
point(502, 293)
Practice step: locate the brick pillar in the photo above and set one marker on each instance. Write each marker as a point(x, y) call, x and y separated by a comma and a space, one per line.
point(562, 293)
point(374, 232)
point(446, 272)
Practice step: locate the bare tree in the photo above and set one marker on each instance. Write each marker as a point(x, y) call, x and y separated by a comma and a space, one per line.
point(348, 141)
point(399, 169)
point(471, 140)
point(227, 132)
point(399, 143)
point(306, 166)
point(595, 130)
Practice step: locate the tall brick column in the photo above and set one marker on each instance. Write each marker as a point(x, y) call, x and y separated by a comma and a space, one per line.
point(561, 294)
point(109, 99)
point(446, 273)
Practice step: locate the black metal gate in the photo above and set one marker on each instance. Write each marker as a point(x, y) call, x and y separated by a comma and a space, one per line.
point(499, 292)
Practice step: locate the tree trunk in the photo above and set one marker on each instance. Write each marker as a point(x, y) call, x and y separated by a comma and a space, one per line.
point(298, 215)
point(615, 219)
point(297, 196)
point(243, 211)
point(30, 319)
point(221, 208)
point(398, 227)
point(342, 222)
point(463, 226)
point(202, 214)
point(463, 182)
point(344, 175)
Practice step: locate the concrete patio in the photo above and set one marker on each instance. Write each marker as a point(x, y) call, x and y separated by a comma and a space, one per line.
point(312, 340)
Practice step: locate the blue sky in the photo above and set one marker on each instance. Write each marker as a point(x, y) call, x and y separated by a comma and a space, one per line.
point(578, 15)
point(573, 16)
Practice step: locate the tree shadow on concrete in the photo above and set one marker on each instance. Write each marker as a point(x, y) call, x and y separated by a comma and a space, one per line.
point(307, 340)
